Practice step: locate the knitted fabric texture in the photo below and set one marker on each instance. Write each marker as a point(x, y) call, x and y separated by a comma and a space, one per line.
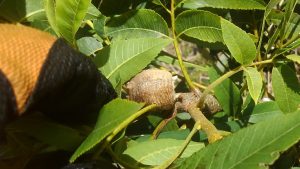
point(23, 50)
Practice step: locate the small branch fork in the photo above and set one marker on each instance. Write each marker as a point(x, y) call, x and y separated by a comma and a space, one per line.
point(188, 102)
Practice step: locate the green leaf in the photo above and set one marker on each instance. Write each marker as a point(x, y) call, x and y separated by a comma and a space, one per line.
point(137, 24)
point(92, 13)
point(125, 58)
point(34, 11)
point(115, 7)
point(292, 27)
point(99, 25)
point(264, 111)
point(180, 134)
point(240, 45)
point(227, 93)
point(202, 25)
point(157, 2)
point(54, 134)
point(232, 4)
point(88, 45)
point(154, 120)
point(21, 11)
point(42, 25)
point(177, 135)
point(9, 10)
point(109, 118)
point(270, 6)
point(254, 147)
point(183, 116)
point(274, 37)
point(119, 86)
point(50, 13)
point(294, 58)
point(155, 152)
point(254, 82)
point(289, 8)
point(163, 3)
point(69, 15)
point(288, 48)
point(286, 88)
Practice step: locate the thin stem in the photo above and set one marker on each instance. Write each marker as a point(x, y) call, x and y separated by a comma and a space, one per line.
point(100, 150)
point(164, 123)
point(122, 126)
point(217, 82)
point(164, 6)
point(258, 54)
point(224, 77)
point(200, 85)
point(166, 164)
point(290, 41)
point(262, 62)
point(178, 52)
point(126, 122)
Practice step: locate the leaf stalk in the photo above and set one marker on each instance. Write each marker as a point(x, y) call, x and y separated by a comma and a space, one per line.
point(178, 52)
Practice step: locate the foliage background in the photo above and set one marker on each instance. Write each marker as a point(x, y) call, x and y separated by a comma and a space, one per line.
point(244, 52)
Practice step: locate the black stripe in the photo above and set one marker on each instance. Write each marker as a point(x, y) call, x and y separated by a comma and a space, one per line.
point(8, 105)
point(70, 87)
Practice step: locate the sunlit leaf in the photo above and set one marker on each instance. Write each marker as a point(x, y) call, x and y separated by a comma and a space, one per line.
point(69, 15)
point(202, 25)
point(125, 58)
point(88, 45)
point(92, 13)
point(232, 4)
point(109, 118)
point(264, 111)
point(136, 24)
point(240, 45)
point(50, 12)
point(286, 88)
point(158, 151)
point(254, 147)
point(254, 82)
point(295, 58)
point(99, 25)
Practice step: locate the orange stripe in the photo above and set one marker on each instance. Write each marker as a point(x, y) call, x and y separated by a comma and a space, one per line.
point(23, 51)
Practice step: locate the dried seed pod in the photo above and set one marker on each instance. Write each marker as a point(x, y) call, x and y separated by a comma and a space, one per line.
point(152, 86)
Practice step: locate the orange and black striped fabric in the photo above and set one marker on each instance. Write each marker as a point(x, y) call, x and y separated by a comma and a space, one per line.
point(43, 73)
point(23, 51)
